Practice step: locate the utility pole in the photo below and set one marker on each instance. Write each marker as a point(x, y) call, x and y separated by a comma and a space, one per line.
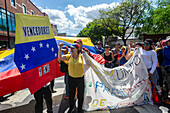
point(7, 25)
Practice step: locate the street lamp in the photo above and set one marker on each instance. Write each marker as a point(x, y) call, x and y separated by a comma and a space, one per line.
point(7, 25)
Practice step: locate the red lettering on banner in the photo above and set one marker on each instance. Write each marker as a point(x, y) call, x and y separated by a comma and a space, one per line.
point(126, 91)
point(131, 89)
point(125, 103)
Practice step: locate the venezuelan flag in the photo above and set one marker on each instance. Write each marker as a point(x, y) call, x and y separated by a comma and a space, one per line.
point(69, 40)
point(36, 51)
point(86, 44)
point(10, 77)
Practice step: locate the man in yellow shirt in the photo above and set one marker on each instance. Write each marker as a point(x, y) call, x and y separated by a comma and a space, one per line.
point(76, 75)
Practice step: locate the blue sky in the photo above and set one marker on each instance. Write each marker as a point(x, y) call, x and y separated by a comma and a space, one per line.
point(71, 16)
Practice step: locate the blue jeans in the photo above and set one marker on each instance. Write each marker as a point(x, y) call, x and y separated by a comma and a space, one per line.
point(154, 77)
point(66, 83)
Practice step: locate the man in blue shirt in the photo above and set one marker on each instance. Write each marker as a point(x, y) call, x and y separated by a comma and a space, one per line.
point(166, 71)
point(99, 48)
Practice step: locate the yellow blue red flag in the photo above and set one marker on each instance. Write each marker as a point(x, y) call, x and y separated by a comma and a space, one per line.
point(69, 40)
point(86, 44)
point(36, 51)
point(9, 74)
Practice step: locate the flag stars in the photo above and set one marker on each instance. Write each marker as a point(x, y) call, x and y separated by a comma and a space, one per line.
point(33, 49)
point(47, 45)
point(41, 45)
point(52, 49)
point(22, 66)
point(55, 54)
point(26, 56)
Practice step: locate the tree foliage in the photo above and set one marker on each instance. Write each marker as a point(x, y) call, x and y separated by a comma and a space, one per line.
point(156, 20)
point(114, 22)
point(95, 31)
point(124, 17)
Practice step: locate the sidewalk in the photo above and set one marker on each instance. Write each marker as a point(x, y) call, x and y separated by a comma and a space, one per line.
point(23, 102)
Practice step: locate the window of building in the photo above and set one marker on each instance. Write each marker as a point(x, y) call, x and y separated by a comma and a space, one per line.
point(32, 13)
point(3, 22)
point(24, 9)
point(13, 3)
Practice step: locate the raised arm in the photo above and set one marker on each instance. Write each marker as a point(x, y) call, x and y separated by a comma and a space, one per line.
point(60, 56)
point(120, 56)
point(113, 58)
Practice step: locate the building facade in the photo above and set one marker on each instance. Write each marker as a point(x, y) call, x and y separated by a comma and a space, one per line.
point(62, 34)
point(14, 6)
point(55, 31)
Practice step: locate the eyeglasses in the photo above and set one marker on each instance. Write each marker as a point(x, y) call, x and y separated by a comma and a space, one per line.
point(146, 44)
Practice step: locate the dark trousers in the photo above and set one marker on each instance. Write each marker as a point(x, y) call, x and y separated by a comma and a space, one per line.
point(52, 85)
point(66, 83)
point(160, 76)
point(166, 81)
point(46, 93)
point(74, 83)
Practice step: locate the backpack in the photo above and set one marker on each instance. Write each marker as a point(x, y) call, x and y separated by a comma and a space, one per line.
point(63, 67)
point(160, 56)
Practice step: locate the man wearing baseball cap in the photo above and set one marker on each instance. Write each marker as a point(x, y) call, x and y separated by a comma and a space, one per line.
point(64, 69)
point(166, 71)
point(80, 43)
point(116, 51)
point(99, 48)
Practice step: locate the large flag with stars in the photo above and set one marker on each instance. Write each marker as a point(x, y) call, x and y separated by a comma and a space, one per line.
point(36, 51)
point(10, 77)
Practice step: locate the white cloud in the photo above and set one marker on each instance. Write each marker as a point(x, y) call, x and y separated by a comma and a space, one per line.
point(40, 8)
point(73, 34)
point(59, 18)
point(81, 15)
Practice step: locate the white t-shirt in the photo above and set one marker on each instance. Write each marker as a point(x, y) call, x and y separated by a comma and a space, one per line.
point(150, 59)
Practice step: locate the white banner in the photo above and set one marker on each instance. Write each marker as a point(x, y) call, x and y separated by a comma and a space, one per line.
point(122, 86)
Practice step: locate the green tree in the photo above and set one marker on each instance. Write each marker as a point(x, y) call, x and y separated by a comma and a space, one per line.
point(124, 17)
point(95, 31)
point(156, 20)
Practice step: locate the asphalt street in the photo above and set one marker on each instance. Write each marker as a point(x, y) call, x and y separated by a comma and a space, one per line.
point(23, 102)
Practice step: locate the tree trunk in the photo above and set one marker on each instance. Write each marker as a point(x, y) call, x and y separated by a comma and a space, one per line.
point(105, 40)
point(124, 41)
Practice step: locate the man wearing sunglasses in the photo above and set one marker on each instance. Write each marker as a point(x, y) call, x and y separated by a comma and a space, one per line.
point(150, 59)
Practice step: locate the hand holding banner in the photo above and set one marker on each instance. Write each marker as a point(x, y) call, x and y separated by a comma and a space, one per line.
point(122, 86)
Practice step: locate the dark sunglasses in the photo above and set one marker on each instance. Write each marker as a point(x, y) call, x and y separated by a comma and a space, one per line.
point(146, 44)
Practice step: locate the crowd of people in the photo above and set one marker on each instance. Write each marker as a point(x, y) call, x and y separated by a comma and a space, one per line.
point(156, 57)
